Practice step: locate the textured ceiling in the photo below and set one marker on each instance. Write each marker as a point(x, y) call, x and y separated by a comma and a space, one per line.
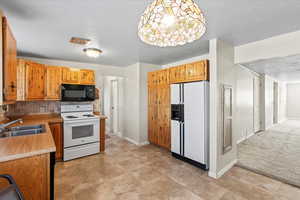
point(43, 28)
point(285, 69)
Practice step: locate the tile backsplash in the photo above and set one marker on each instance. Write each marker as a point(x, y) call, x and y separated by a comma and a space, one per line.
point(33, 107)
point(39, 107)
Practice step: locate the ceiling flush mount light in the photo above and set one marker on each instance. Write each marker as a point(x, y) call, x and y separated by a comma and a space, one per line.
point(171, 23)
point(92, 52)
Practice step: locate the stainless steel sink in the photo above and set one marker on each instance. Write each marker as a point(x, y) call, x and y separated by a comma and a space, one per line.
point(23, 130)
point(17, 128)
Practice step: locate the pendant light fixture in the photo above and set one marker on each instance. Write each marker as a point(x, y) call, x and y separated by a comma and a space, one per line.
point(171, 23)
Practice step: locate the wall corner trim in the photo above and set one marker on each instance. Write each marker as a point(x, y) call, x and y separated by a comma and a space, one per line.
point(219, 174)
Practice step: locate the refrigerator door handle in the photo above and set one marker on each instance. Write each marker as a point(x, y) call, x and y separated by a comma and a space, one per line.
point(180, 138)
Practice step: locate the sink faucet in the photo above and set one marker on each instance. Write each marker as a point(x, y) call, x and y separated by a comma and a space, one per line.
point(3, 126)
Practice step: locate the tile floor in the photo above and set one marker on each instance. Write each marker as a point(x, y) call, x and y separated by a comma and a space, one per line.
point(128, 172)
point(275, 152)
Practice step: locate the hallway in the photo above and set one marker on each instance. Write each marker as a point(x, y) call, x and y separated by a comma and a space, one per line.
point(274, 152)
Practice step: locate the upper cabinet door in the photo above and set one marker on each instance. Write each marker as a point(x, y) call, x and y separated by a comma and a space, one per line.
point(197, 71)
point(21, 73)
point(152, 78)
point(87, 77)
point(53, 82)
point(35, 81)
point(70, 75)
point(9, 63)
point(178, 74)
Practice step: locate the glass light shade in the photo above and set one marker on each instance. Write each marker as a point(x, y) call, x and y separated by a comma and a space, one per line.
point(171, 23)
point(92, 52)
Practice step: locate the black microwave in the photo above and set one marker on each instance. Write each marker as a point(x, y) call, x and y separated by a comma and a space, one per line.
point(72, 92)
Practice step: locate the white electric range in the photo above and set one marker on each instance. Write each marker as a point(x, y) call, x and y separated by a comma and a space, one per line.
point(81, 131)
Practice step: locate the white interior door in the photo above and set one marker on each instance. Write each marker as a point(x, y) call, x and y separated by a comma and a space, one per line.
point(115, 106)
point(256, 105)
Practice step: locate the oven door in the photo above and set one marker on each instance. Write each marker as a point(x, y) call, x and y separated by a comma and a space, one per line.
point(80, 132)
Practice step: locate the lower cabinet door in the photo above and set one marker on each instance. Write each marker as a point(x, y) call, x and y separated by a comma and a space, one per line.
point(57, 133)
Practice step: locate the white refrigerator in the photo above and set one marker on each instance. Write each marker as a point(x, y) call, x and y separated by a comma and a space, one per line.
point(190, 122)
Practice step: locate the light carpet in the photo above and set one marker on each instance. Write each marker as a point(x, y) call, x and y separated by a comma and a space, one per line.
point(274, 153)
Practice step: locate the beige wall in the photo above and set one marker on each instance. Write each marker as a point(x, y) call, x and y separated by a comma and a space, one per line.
point(136, 117)
point(278, 46)
point(131, 119)
point(244, 103)
point(293, 97)
point(222, 71)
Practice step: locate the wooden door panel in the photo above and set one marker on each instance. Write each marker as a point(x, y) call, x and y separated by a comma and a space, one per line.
point(35, 81)
point(21, 76)
point(196, 71)
point(70, 75)
point(177, 74)
point(87, 77)
point(9, 63)
point(53, 82)
point(56, 129)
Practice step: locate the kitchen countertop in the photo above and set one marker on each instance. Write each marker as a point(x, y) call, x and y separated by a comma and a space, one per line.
point(17, 147)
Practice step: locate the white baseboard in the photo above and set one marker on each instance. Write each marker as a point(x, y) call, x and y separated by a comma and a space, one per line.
point(222, 171)
point(135, 142)
point(243, 139)
point(144, 143)
point(131, 140)
point(249, 136)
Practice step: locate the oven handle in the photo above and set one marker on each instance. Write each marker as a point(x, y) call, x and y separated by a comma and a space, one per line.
point(82, 123)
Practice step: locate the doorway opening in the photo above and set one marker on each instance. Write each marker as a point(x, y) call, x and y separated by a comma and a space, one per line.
point(275, 102)
point(113, 104)
point(114, 108)
point(256, 104)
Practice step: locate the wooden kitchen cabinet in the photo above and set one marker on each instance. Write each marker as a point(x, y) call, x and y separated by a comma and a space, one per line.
point(159, 102)
point(35, 81)
point(57, 133)
point(70, 75)
point(197, 71)
point(32, 175)
point(9, 63)
point(152, 79)
point(178, 74)
point(53, 82)
point(159, 108)
point(87, 77)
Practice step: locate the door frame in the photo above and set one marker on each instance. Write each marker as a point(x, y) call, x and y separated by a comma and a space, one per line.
point(112, 106)
point(254, 100)
point(275, 102)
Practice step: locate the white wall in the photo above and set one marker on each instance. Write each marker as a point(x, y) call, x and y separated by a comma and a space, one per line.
point(136, 120)
point(293, 97)
point(282, 110)
point(278, 46)
point(244, 103)
point(268, 86)
point(222, 71)
point(132, 103)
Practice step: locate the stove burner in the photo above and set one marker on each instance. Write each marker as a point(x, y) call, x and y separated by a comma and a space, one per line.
point(71, 117)
point(88, 115)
